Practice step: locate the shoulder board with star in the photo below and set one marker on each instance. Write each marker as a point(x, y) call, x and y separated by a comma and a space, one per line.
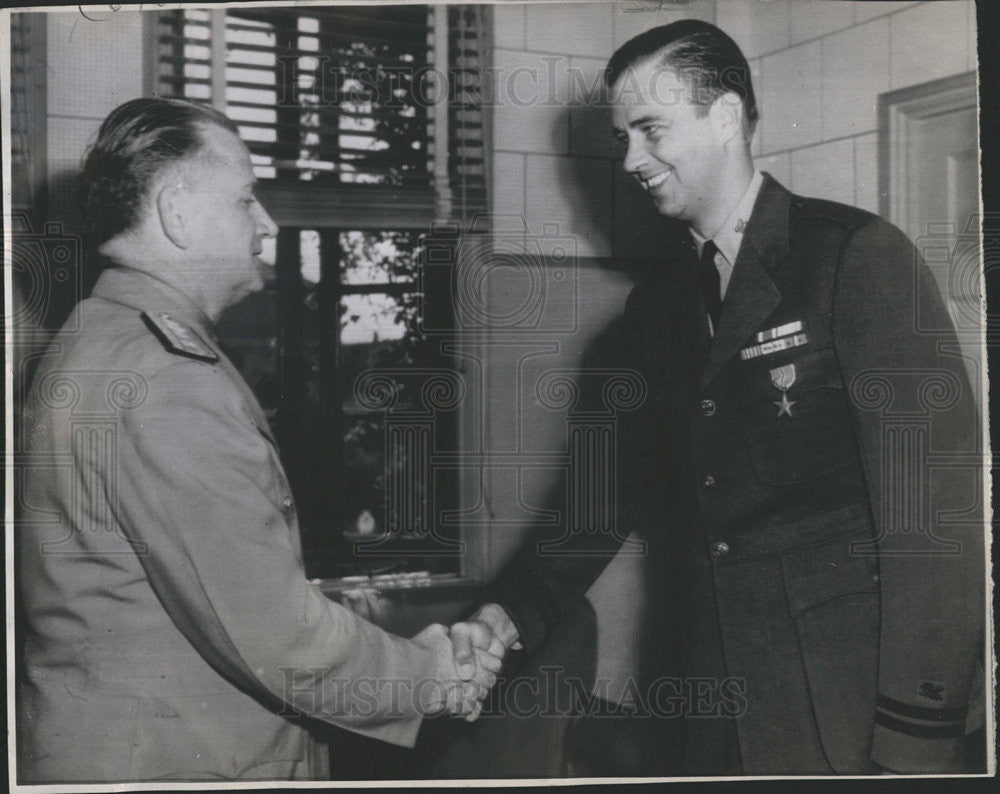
point(178, 338)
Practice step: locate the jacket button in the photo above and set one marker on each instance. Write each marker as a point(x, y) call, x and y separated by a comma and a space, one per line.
point(707, 407)
point(719, 549)
point(286, 503)
point(709, 481)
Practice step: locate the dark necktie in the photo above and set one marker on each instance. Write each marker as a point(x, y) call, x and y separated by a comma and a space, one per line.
point(708, 276)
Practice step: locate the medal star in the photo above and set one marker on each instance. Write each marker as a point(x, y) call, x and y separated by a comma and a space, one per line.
point(785, 406)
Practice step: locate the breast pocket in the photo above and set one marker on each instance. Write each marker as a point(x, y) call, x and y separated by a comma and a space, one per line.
point(806, 435)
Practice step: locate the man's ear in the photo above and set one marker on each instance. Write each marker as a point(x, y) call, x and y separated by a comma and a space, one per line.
point(173, 216)
point(727, 111)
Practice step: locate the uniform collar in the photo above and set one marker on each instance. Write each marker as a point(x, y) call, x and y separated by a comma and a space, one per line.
point(729, 238)
point(147, 293)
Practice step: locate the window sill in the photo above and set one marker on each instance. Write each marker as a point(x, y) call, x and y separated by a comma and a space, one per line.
point(428, 588)
point(405, 610)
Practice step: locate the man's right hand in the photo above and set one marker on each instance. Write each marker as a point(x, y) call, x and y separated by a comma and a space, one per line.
point(459, 692)
point(489, 630)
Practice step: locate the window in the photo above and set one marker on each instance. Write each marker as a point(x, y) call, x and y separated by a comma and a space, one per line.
point(365, 127)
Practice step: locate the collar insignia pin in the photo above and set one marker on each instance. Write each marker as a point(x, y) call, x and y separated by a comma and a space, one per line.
point(740, 226)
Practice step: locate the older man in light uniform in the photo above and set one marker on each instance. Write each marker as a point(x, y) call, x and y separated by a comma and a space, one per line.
point(171, 632)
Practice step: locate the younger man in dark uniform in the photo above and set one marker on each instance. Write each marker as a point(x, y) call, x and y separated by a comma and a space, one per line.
point(779, 467)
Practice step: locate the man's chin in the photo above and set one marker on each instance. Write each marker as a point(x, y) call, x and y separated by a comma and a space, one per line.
point(667, 208)
point(265, 271)
point(247, 288)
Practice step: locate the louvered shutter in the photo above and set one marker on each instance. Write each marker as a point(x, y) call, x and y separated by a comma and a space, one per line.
point(356, 116)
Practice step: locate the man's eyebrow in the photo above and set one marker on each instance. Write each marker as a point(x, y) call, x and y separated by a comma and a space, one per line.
point(643, 120)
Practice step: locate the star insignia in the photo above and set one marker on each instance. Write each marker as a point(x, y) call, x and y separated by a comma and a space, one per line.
point(785, 406)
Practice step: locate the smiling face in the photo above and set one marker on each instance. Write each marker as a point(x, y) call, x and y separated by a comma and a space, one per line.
point(676, 150)
point(228, 223)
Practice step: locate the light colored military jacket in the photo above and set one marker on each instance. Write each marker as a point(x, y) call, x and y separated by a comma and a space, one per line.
point(170, 629)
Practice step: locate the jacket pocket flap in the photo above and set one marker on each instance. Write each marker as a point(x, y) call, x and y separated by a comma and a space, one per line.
point(832, 569)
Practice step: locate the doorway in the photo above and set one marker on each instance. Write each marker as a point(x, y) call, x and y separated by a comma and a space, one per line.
point(929, 188)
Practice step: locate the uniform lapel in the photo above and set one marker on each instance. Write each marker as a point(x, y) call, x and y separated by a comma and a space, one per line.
point(752, 295)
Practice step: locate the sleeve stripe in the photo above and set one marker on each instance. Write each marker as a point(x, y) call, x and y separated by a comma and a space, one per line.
point(956, 731)
point(920, 712)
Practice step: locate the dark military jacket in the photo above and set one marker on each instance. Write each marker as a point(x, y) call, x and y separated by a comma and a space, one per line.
point(810, 483)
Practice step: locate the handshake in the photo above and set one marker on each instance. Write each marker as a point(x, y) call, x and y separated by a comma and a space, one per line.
point(467, 657)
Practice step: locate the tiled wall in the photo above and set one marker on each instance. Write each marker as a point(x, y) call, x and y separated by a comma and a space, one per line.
point(821, 67)
point(818, 68)
point(96, 64)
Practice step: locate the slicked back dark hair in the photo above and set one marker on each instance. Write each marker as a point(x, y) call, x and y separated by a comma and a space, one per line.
point(697, 52)
point(136, 141)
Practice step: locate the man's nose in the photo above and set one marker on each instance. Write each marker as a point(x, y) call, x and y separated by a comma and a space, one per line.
point(265, 223)
point(633, 158)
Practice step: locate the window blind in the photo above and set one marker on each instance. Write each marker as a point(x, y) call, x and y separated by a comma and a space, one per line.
point(359, 116)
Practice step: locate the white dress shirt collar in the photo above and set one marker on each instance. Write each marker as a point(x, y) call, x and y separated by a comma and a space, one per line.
point(730, 235)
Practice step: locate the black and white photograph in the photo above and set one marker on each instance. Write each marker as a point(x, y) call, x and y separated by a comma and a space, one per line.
point(567, 392)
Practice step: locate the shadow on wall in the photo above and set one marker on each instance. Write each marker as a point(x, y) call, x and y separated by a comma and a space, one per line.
point(621, 223)
point(53, 267)
point(635, 239)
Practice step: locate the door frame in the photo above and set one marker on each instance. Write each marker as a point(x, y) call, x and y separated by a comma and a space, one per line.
point(897, 112)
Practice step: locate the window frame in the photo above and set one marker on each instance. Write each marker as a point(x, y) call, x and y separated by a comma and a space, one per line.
point(374, 207)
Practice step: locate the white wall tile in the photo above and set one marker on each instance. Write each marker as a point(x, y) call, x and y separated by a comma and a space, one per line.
point(855, 72)
point(928, 41)
point(825, 171)
point(573, 195)
point(530, 112)
point(620, 622)
point(791, 104)
point(632, 17)
point(571, 28)
point(93, 66)
point(777, 165)
point(869, 9)
point(69, 139)
point(866, 172)
point(508, 184)
point(509, 25)
point(813, 18)
point(972, 57)
point(757, 27)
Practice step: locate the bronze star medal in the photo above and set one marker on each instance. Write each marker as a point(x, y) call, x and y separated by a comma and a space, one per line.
point(783, 378)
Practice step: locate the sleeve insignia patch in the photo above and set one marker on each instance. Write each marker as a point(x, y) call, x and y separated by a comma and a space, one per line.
point(178, 338)
point(930, 690)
